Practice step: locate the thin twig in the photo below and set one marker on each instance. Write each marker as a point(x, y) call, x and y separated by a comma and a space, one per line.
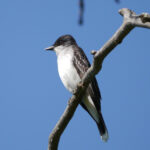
point(81, 11)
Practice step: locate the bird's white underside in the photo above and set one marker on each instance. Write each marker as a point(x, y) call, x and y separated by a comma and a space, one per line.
point(70, 77)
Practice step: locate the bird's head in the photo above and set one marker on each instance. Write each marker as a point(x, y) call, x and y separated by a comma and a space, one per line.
point(61, 42)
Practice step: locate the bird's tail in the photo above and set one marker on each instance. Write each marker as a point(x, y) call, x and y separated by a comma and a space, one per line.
point(102, 128)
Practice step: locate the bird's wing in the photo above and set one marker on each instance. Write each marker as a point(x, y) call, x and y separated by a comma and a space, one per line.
point(82, 64)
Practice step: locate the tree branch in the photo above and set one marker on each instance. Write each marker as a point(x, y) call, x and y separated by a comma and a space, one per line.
point(130, 21)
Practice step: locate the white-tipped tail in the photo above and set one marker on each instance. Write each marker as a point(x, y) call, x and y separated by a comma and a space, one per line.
point(105, 137)
point(102, 128)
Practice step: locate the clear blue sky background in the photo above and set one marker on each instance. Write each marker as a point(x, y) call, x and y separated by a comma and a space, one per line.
point(32, 97)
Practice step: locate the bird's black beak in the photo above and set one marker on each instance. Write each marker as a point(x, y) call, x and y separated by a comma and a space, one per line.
point(50, 48)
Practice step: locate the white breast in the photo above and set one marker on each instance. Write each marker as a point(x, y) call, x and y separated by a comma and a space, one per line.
point(66, 69)
point(70, 77)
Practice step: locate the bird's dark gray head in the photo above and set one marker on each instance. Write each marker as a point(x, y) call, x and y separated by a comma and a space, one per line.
point(65, 40)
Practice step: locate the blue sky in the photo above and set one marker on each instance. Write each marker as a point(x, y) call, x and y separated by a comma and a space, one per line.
point(32, 97)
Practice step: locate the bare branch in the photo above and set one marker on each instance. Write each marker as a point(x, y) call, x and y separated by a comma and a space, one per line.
point(130, 21)
point(142, 20)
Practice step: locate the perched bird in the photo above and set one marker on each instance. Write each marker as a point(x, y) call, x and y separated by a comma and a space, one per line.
point(72, 64)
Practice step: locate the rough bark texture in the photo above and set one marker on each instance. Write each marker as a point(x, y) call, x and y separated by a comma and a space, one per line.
point(130, 21)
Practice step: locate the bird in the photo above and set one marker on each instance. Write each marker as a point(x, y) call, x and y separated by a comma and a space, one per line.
point(72, 65)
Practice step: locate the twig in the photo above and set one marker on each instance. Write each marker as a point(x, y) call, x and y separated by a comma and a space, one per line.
point(81, 11)
point(130, 21)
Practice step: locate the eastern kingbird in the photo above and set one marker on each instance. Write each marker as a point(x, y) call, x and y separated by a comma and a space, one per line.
point(72, 64)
